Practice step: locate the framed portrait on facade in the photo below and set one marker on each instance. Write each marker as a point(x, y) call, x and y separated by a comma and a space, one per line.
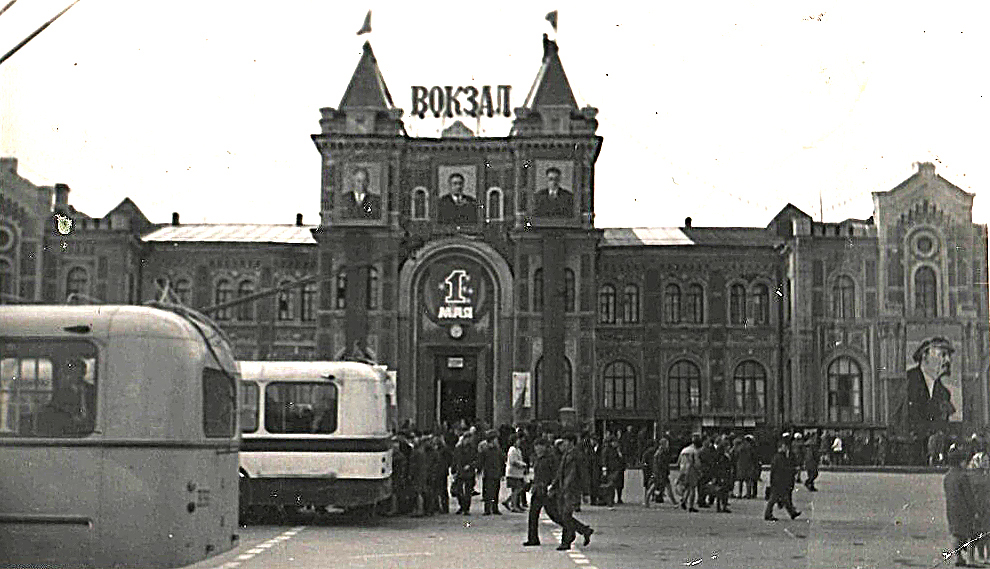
point(458, 202)
point(361, 198)
point(932, 390)
point(554, 195)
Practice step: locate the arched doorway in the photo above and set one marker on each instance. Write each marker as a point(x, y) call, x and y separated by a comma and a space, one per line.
point(455, 351)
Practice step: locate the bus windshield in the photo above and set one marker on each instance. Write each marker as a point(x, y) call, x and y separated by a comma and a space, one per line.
point(301, 407)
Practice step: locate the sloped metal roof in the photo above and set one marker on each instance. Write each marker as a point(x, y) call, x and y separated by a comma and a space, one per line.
point(233, 233)
point(681, 236)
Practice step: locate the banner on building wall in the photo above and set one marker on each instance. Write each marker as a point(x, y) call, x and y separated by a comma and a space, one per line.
point(934, 384)
point(522, 389)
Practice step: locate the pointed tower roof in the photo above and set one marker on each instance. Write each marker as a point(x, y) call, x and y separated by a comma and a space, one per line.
point(551, 88)
point(367, 88)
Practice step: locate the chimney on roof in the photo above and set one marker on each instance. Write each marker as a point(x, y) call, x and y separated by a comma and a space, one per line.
point(61, 195)
point(175, 218)
point(687, 222)
point(9, 164)
point(926, 168)
point(299, 220)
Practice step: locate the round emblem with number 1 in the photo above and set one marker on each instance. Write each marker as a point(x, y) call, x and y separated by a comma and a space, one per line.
point(456, 331)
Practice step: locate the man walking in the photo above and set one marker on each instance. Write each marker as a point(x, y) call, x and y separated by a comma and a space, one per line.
point(567, 489)
point(545, 465)
point(781, 483)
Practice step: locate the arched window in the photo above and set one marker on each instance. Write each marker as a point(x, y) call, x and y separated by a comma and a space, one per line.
point(372, 296)
point(751, 387)
point(183, 291)
point(6, 278)
point(630, 304)
point(222, 295)
point(694, 309)
point(420, 203)
point(684, 390)
point(308, 302)
point(567, 379)
point(737, 304)
point(77, 281)
point(925, 293)
point(494, 210)
point(284, 302)
point(620, 385)
point(672, 304)
point(538, 290)
point(569, 304)
point(245, 310)
point(845, 391)
point(760, 299)
point(606, 304)
point(844, 298)
point(341, 296)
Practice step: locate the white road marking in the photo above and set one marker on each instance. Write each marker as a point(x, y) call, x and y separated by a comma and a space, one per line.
point(245, 557)
point(265, 545)
point(232, 564)
point(377, 555)
point(255, 551)
point(581, 561)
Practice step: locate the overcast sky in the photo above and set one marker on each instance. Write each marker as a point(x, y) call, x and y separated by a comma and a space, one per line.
point(720, 111)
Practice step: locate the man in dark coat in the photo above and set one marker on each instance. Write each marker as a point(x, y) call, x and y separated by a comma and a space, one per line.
point(492, 461)
point(464, 469)
point(706, 461)
point(545, 466)
point(722, 476)
point(781, 483)
point(615, 471)
point(567, 490)
point(811, 463)
point(960, 508)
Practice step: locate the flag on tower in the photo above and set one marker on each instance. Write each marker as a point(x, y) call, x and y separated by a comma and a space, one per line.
point(366, 27)
point(552, 18)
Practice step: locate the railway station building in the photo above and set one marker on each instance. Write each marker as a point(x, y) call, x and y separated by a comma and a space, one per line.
point(472, 267)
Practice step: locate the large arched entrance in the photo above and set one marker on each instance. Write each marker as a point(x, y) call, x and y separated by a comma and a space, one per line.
point(456, 337)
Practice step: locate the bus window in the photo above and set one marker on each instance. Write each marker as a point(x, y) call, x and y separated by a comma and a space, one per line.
point(47, 389)
point(301, 408)
point(218, 404)
point(249, 406)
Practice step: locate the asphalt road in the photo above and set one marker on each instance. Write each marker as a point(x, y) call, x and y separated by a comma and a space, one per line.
point(856, 520)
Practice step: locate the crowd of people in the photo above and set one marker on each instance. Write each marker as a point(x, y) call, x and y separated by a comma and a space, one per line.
point(556, 471)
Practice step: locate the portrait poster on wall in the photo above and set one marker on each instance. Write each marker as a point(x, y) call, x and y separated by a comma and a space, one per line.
point(361, 198)
point(933, 388)
point(554, 193)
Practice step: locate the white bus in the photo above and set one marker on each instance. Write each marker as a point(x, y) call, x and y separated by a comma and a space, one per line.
point(314, 434)
point(118, 437)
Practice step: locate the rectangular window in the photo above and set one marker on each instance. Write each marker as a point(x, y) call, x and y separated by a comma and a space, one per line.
point(249, 407)
point(818, 273)
point(47, 389)
point(301, 408)
point(871, 274)
point(817, 304)
point(871, 304)
point(218, 404)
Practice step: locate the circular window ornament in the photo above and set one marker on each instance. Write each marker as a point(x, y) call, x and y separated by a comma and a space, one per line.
point(456, 331)
point(6, 239)
point(925, 245)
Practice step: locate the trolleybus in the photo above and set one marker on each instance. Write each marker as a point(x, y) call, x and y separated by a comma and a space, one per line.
point(314, 434)
point(118, 438)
